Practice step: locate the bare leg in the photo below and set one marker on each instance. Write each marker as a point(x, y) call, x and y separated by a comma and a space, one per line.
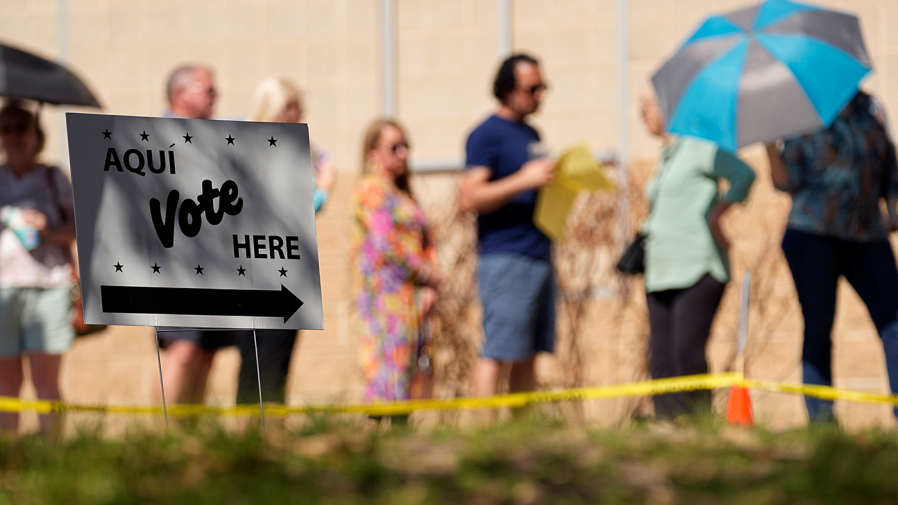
point(179, 369)
point(523, 376)
point(486, 383)
point(201, 376)
point(11, 386)
point(486, 379)
point(45, 376)
point(522, 379)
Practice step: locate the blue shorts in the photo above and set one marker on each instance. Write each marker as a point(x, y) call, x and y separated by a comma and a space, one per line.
point(518, 297)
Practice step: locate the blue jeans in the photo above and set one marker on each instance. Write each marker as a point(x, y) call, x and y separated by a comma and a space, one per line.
point(817, 262)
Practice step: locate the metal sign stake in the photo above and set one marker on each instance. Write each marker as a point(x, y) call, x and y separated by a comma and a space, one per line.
point(259, 377)
point(161, 384)
point(742, 338)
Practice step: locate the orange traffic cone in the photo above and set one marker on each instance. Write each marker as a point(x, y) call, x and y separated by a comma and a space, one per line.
point(739, 407)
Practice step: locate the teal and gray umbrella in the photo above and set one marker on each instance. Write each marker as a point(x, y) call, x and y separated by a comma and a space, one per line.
point(768, 71)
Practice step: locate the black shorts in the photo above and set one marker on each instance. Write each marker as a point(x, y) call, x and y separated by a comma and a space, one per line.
point(205, 339)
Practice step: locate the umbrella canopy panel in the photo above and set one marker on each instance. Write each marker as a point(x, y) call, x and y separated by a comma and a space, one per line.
point(24, 75)
point(768, 71)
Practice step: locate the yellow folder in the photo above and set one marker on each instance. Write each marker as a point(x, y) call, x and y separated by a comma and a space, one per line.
point(577, 170)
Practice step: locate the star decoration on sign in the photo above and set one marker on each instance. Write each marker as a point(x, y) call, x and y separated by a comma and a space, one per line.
point(241, 271)
point(283, 272)
point(145, 136)
point(118, 267)
point(229, 138)
point(199, 270)
point(156, 268)
point(272, 142)
point(187, 138)
point(107, 134)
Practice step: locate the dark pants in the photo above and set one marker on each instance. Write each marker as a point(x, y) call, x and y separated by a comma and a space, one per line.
point(817, 263)
point(681, 322)
point(275, 349)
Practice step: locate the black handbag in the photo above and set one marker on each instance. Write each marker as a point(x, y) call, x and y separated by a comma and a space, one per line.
point(633, 260)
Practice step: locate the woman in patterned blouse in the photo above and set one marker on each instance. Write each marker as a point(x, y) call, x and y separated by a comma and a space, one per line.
point(396, 283)
point(837, 178)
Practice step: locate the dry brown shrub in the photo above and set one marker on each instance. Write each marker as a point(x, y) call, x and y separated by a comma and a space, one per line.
point(758, 228)
point(605, 311)
point(455, 322)
point(584, 263)
point(602, 317)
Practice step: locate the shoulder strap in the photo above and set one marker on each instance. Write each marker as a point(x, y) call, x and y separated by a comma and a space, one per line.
point(54, 193)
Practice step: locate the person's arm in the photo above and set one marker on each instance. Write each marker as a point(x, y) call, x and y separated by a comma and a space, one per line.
point(325, 178)
point(741, 178)
point(714, 222)
point(891, 189)
point(326, 174)
point(734, 170)
point(62, 236)
point(788, 164)
point(778, 171)
point(375, 210)
point(890, 176)
point(891, 203)
point(481, 195)
point(427, 299)
point(428, 296)
point(428, 276)
point(319, 197)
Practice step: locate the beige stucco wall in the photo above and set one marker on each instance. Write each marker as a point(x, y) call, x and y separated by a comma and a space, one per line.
point(446, 53)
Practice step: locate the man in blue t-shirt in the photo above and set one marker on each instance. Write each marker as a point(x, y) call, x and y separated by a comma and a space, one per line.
point(505, 167)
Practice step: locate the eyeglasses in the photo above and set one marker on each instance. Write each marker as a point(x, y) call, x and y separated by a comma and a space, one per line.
point(199, 88)
point(536, 88)
point(401, 145)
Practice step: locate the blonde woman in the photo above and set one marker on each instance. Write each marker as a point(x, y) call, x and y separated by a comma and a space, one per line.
point(277, 100)
point(396, 282)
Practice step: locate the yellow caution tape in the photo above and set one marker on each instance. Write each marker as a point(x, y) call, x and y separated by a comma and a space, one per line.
point(660, 386)
point(646, 388)
point(823, 392)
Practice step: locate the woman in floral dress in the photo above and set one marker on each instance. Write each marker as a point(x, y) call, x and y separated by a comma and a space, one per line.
point(396, 283)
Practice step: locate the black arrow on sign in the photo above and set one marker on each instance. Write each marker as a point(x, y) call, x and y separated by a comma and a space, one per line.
point(200, 302)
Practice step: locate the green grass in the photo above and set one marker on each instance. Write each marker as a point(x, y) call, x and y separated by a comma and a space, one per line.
point(518, 463)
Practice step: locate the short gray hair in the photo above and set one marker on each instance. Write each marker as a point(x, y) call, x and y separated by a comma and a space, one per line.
point(182, 77)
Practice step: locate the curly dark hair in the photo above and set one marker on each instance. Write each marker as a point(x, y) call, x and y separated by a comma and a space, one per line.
point(505, 80)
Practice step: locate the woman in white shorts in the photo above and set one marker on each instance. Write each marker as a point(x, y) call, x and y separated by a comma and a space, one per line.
point(37, 228)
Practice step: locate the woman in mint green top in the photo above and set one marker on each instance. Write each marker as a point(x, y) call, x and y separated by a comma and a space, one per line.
point(686, 261)
point(683, 238)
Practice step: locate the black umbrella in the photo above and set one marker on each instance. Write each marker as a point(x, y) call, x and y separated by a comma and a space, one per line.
point(24, 75)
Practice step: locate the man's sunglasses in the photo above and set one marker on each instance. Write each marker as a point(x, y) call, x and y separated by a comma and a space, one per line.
point(536, 88)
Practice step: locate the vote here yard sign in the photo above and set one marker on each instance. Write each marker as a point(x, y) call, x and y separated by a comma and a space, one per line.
point(206, 224)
